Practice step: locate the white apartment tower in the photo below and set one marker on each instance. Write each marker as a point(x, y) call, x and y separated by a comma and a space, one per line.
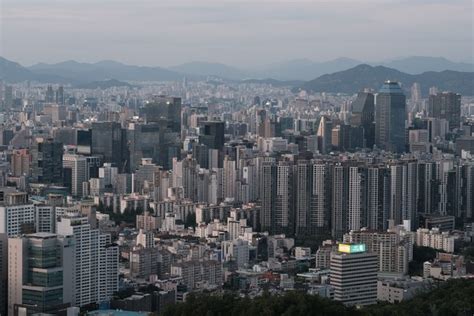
point(96, 263)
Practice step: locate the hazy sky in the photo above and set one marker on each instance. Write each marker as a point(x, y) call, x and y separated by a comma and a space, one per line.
point(236, 32)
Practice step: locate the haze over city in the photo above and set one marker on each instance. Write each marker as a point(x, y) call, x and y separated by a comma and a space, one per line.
point(235, 32)
point(236, 157)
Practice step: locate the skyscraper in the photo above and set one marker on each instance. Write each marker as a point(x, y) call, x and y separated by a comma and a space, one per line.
point(390, 117)
point(49, 97)
point(324, 135)
point(212, 134)
point(363, 115)
point(8, 97)
point(446, 105)
point(109, 141)
point(164, 109)
point(60, 95)
point(47, 160)
point(77, 166)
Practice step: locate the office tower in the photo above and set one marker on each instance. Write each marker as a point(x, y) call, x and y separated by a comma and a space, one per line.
point(145, 179)
point(416, 93)
point(390, 118)
point(164, 110)
point(6, 135)
point(154, 140)
point(3, 273)
point(75, 167)
point(47, 161)
point(49, 97)
point(446, 105)
point(211, 134)
point(40, 270)
point(353, 275)
point(109, 142)
point(17, 215)
point(84, 141)
point(96, 261)
point(60, 95)
point(348, 137)
point(324, 135)
point(56, 112)
point(467, 191)
point(8, 97)
point(20, 162)
point(363, 115)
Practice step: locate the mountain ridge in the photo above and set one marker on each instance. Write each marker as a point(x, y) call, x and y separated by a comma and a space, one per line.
point(366, 76)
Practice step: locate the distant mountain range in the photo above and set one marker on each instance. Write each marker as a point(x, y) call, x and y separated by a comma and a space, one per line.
point(105, 84)
point(339, 75)
point(366, 76)
point(104, 70)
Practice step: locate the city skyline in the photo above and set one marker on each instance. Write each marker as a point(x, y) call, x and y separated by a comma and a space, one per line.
point(236, 157)
point(238, 33)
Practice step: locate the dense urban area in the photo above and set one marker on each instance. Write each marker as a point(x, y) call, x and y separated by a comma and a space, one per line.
point(206, 196)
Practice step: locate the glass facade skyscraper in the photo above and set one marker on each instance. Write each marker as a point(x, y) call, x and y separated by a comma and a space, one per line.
point(390, 116)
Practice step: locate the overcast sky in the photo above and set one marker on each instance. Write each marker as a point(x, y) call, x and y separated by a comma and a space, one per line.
point(235, 32)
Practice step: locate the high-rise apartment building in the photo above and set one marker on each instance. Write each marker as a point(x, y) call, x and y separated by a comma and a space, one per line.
point(96, 260)
point(394, 249)
point(390, 116)
point(17, 215)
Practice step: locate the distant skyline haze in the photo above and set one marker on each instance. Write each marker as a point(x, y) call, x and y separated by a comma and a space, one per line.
point(235, 32)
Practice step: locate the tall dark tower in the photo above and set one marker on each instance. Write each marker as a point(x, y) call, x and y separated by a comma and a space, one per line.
point(390, 117)
point(109, 141)
point(212, 134)
point(60, 95)
point(47, 161)
point(363, 116)
point(446, 105)
point(164, 109)
point(49, 98)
